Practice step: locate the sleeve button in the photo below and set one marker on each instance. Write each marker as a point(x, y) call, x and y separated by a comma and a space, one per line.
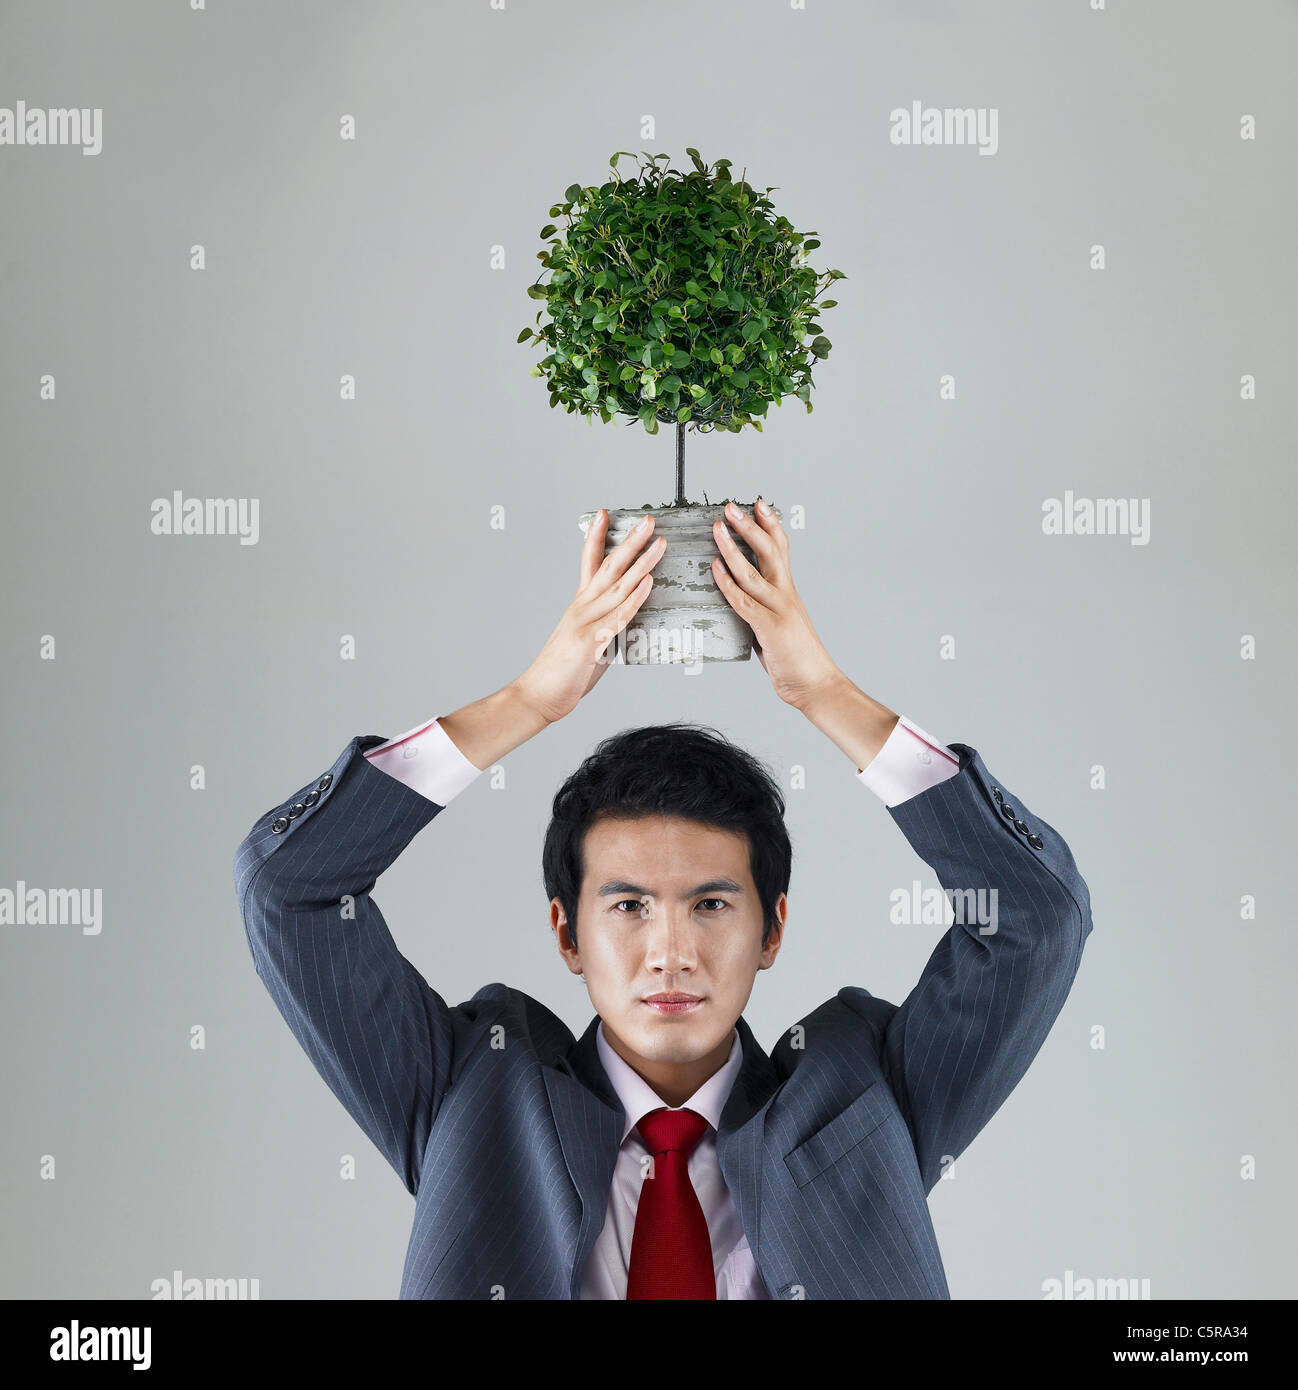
point(325, 782)
point(277, 827)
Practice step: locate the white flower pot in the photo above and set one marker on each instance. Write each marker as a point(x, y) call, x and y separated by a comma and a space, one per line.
point(686, 618)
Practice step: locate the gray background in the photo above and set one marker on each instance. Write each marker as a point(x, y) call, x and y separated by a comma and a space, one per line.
point(922, 519)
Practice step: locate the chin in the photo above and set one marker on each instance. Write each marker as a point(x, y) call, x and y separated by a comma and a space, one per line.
point(667, 1041)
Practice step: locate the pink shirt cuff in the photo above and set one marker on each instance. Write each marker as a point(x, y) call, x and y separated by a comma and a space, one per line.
point(910, 762)
point(427, 761)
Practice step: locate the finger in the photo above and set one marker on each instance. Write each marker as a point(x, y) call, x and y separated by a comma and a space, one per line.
point(607, 595)
point(762, 545)
point(740, 569)
point(618, 559)
point(770, 523)
point(594, 547)
point(609, 627)
point(748, 608)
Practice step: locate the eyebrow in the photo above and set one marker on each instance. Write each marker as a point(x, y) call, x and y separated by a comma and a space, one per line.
point(713, 885)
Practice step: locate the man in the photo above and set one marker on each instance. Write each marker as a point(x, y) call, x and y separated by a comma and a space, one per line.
point(664, 1153)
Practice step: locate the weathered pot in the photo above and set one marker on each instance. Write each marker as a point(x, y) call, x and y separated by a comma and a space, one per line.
point(686, 617)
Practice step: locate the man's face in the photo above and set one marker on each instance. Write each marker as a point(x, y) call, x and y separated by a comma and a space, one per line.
point(668, 907)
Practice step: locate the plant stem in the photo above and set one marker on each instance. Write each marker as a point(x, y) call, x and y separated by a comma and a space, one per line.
point(680, 463)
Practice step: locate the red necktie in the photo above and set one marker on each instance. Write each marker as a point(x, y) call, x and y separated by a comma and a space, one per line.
point(671, 1252)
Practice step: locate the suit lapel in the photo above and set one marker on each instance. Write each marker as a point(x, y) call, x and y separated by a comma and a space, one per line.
point(739, 1141)
point(589, 1119)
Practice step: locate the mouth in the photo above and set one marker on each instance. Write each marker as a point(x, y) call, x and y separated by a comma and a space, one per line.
point(673, 1003)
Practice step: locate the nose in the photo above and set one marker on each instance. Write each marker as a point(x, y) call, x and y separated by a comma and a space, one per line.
point(671, 948)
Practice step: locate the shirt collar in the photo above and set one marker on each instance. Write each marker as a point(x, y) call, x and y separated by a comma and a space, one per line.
point(639, 1098)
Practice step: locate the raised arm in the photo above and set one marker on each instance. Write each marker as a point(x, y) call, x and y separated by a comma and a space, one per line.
point(384, 1041)
point(964, 1036)
point(988, 996)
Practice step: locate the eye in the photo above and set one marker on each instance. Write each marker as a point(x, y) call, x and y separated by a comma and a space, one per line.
point(636, 904)
point(721, 901)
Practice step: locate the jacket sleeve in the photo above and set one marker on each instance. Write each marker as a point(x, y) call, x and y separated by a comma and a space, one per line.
point(964, 1036)
point(383, 1041)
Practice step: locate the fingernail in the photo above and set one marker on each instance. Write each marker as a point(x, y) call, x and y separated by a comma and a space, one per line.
point(763, 508)
point(644, 521)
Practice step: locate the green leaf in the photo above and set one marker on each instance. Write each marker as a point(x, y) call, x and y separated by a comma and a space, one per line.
point(684, 414)
point(548, 230)
point(828, 303)
point(820, 346)
point(686, 274)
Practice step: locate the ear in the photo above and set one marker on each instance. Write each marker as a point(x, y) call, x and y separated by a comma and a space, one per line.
point(776, 939)
point(559, 925)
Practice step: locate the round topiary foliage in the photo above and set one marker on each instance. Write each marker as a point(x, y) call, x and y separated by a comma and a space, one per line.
point(677, 297)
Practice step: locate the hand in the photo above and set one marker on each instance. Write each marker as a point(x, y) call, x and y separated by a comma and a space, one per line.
point(786, 643)
point(609, 594)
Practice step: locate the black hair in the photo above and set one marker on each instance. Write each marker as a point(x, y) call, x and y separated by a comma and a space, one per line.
point(676, 769)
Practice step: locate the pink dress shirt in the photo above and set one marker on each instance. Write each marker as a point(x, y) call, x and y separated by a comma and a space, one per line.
point(910, 762)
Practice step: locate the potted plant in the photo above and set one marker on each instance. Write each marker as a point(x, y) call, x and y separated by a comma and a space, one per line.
point(677, 299)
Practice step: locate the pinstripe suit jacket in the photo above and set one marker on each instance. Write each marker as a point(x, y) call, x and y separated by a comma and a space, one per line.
point(505, 1127)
